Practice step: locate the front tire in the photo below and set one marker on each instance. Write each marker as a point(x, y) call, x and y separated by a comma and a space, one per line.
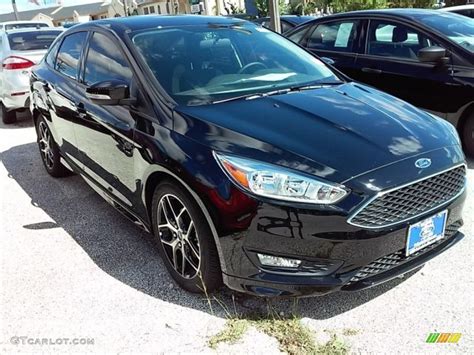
point(184, 239)
point(8, 117)
point(49, 150)
point(468, 135)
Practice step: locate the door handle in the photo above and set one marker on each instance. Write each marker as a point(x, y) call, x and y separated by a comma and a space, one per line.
point(372, 70)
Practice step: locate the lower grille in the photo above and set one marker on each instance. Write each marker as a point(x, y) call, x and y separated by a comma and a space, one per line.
point(404, 203)
point(390, 261)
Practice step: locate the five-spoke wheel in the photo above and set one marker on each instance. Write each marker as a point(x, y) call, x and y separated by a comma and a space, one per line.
point(49, 150)
point(184, 239)
point(178, 235)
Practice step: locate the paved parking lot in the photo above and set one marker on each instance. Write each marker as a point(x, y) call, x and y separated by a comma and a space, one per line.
point(72, 267)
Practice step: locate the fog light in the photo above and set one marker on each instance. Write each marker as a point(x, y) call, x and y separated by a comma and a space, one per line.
point(276, 261)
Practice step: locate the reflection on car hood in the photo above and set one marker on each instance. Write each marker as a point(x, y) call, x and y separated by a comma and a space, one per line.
point(345, 130)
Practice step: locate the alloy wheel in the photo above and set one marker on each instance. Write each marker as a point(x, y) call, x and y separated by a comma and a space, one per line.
point(45, 143)
point(178, 235)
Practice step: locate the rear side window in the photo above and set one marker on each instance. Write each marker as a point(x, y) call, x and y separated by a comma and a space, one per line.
point(334, 36)
point(30, 41)
point(105, 61)
point(67, 61)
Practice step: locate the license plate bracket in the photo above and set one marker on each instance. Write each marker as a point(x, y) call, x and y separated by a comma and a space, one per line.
point(426, 232)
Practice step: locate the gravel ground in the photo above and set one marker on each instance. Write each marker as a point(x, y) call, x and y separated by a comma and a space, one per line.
point(72, 267)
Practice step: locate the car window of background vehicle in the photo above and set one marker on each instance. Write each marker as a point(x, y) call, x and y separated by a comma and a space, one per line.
point(28, 41)
point(335, 36)
point(458, 28)
point(67, 61)
point(390, 39)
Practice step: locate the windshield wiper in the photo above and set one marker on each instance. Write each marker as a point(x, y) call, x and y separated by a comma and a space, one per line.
point(254, 96)
point(258, 95)
point(316, 85)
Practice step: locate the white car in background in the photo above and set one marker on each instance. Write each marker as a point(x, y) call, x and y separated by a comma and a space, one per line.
point(466, 10)
point(13, 25)
point(20, 49)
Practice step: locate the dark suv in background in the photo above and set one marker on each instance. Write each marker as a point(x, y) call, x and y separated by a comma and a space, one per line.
point(425, 57)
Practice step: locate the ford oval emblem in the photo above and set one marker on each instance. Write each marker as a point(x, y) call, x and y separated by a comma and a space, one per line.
point(423, 163)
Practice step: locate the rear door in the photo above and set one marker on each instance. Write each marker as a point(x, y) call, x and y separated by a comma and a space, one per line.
point(59, 88)
point(338, 40)
point(390, 63)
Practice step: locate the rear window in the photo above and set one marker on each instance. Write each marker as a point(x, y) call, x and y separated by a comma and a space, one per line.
point(28, 41)
point(14, 26)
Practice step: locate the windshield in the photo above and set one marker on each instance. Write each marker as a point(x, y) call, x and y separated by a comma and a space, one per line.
point(457, 28)
point(202, 64)
point(29, 41)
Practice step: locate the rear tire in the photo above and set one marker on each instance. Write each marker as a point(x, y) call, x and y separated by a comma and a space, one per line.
point(468, 135)
point(183, 237)
point(8, 117)
point(49, 150)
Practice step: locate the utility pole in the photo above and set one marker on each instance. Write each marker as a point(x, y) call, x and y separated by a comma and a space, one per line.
point(274, 16)
point(125, 14)
point(15, 10)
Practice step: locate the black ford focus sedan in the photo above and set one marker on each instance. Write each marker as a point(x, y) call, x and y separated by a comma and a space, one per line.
point(251, 162)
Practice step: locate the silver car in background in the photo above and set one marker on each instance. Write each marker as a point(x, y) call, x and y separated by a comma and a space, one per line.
point(20, 49)
point(13, 25)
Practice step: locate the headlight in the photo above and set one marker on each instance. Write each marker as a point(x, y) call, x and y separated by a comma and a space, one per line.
point(279, 183)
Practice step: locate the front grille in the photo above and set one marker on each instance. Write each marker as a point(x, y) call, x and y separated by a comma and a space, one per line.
point(390, 261)
point(409, 201)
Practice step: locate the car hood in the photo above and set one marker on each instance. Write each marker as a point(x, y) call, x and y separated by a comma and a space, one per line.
point(336, 132)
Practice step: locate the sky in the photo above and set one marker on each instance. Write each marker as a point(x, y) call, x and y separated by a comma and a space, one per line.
point(22, 5)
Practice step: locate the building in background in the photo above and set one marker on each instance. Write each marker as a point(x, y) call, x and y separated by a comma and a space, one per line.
point(60, 15)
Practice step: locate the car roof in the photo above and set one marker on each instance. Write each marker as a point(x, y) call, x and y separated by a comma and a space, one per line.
point(404, 13)
point(136, 23)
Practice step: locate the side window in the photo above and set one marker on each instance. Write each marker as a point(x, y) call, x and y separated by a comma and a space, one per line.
point(334, 36)
point(297, 36)
point(67, 60)
point(389, 39)
point(105, 61)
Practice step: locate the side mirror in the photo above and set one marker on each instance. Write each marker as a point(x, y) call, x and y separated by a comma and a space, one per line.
point(433, 54)
point(109, 92)
point(328, 60)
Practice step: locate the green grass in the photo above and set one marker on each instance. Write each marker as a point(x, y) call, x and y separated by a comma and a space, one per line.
point(293, 337)
point(233, 331)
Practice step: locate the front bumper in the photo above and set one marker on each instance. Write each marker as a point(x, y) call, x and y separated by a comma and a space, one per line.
point(322, 238)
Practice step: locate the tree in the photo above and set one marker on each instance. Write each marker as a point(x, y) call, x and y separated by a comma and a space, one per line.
point(262, 7)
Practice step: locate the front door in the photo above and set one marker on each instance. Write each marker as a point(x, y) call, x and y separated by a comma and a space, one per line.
point(104, 133)
point(390, 63)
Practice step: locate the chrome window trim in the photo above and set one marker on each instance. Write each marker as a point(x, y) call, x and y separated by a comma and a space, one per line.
point(384, 192)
